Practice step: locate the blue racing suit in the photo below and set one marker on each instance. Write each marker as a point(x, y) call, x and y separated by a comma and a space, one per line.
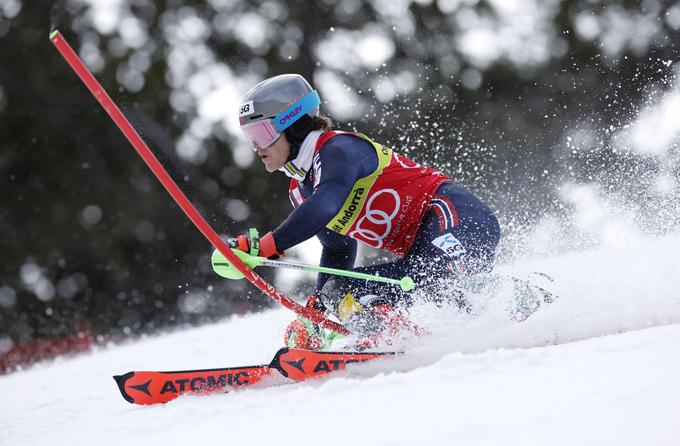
point(457, 235)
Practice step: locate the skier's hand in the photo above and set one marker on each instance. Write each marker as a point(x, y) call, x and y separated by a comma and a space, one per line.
point(256, 246)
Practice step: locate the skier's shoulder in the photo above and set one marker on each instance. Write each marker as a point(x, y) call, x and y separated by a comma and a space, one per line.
point(344, 141)
point(345, 147)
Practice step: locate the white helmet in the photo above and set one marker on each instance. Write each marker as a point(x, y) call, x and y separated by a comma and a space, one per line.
point(274, 104)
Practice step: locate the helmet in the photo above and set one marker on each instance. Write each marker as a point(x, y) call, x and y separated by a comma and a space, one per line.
point(274, 105)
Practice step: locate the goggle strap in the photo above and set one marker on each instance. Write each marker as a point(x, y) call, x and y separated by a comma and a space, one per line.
point(292, 113)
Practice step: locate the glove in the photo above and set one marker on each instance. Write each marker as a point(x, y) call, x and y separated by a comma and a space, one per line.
point(303, 333)
point(256, 246)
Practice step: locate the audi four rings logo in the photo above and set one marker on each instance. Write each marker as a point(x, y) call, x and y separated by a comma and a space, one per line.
point(381, 219)
point(404, 162)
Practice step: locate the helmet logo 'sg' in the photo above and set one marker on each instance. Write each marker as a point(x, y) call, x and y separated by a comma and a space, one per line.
point(380, 218)
point(247, 109)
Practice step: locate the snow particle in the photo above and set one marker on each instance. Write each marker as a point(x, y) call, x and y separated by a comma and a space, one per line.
point(30, 274)
point(6, 345)
point(8, 297)
point(67, 287)
point(145, 231)
point(237, 209)
point(471, 78)
point(91, 215)
point(193, 302)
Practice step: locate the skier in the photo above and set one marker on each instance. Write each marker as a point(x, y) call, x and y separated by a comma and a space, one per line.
point(347, 188)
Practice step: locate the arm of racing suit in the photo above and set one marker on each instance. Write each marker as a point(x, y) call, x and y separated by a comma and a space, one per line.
point(338, 252)
point(343, 161)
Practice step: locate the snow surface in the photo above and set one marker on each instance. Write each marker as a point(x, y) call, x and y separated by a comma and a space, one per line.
point(600, 366)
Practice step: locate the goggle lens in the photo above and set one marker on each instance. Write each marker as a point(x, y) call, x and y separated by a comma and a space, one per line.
point(261, 133)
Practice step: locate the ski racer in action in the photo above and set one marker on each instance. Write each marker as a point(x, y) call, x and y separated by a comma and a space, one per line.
point(347, 188)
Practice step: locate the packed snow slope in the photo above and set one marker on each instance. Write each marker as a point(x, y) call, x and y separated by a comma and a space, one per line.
point(599, 366)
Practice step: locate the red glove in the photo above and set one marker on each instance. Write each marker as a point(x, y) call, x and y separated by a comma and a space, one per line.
point(254, 245)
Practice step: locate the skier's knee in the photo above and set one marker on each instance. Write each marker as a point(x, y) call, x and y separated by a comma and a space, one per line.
point(344, 297)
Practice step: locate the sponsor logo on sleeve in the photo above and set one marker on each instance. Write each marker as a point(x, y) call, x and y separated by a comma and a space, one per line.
point(451, 246)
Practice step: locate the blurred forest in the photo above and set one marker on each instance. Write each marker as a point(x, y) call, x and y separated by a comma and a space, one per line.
point(520, 100)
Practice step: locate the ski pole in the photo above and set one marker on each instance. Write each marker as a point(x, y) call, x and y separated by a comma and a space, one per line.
point(175, 192)
point(225, 268)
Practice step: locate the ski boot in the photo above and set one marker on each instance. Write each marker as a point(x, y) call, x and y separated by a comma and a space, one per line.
point(372, 320)
point(529, 294)
point(380, 325)
point(304, 334)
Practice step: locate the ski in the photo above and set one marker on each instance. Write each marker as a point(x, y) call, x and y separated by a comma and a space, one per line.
point(160, 387)
point(299, 364)
point(148, 387)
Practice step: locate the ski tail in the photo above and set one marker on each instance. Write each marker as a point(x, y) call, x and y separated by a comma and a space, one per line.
point(161, 387)
point(295, 364)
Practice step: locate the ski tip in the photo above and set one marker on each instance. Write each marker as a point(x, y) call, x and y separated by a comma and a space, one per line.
point(120, 380)
point(53, 33)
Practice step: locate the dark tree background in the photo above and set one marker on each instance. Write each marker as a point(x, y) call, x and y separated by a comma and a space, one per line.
point(513, 99)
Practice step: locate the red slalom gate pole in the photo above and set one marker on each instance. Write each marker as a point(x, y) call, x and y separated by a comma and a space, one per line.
point(150, 159)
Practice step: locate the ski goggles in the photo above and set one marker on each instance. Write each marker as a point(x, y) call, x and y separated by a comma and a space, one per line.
point(265, 132)
point(261, 133)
